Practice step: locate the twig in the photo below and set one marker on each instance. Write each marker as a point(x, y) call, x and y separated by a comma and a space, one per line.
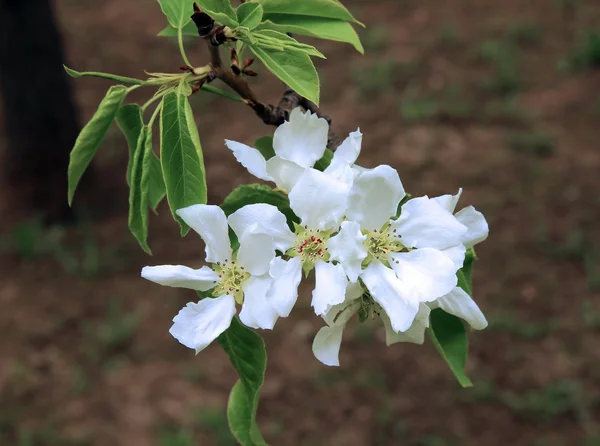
point(269, 114)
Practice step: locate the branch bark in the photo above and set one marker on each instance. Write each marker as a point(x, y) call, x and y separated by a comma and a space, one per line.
point(268, 113)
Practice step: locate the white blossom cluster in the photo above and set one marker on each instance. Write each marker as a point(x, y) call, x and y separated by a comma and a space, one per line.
point(370, 256)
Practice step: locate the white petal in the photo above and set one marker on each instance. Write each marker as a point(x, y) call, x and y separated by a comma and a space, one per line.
point(285, 173)
point(256, 310)
point(284, 291)
point(347, 248)
point(456, 254)
point(449, 202)
point(197, 325)
point(180, 276)
point(460, 304)
point(330, 286)
point(262, 218)
point(210, 222)
point(346, 154)
point(425, 273)
point(415, 334)
point(250, 158)
point(477, 226)
point(302, 139)
point(327, 343)
point(375, 196)
point(353, 292)
point(425, 224)
point(255, 253)
point(319, 200)
point(389, 292)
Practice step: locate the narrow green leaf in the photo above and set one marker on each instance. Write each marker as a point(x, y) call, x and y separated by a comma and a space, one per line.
point(331, 9)
point(325, 161)
point(249, 14)
point(189, 29)
point(180, 156)
point(91, 136)
point(156, 183)
point(323, 28)
point(129, 120)
point(112, 77)
point(450, 339)
point(220, 10)
point(138, 189)
point(246, 351)
point(268, 38)
point(294, 68)
point(264, 145)
point(178, 12)
point(465, 274)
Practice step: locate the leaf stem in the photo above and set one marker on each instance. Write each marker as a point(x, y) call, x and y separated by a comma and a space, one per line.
point(155, 114)
point(181, 48)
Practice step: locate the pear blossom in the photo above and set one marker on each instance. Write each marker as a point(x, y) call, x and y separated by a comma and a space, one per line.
point(240, 278)
point(298, 144)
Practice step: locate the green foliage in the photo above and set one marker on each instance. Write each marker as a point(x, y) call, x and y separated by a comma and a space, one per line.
point(189, 29)
point(113, 77)
point(450, 339)
point(178, 12)
point(325, 160)
point(246, 351)
point(249, 14)
point(331, 9)
point(181, 155)
point(129, 120)
point(264, 145)
point(220, 10)
point(91, 136)
point(138, 188)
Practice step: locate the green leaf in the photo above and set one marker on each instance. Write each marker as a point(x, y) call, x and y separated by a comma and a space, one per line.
point(189, 29)
point(325, 161)
point(264, 145)
point(466, 272)
point(450, 339)
point(156, 183)
point(323, 28)
point(220, 10)
point(246, 351)
point(249, 14)
point(294, 68)
point(178, 12)
point(331, 9)
point(268, 38)
point(138, 189)
point(112, 77)
point(91, 136)
point(181, 156)
point(129, 120)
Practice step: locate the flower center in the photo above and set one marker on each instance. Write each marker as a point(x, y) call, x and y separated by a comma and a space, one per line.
point(310, 246)
point(383, 242)
point(231, 279)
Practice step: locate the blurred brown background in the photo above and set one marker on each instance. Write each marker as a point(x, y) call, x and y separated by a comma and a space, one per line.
point(501, 98)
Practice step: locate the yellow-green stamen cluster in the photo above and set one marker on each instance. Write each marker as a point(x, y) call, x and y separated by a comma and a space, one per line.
point(381, 243)
point(231, 279)
point(310, 246)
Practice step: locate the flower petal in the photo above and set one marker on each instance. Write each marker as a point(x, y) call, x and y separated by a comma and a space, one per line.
point(389, 292)
point(415, 334)
point(449, 202)
point(375, 196)
point(255, 253)
point(319, 200)
point(347, 248)
point(460, 304)
point(250, 158)
point(302, 139)
point(477, 226)
point(423, 223)
point(210, 222)
point(456, 254)
point(425, 273)
point(262, 218)
point(257, 312)
point(327, 342)
point(180, 276)
point(330, 286)
point(346, 154)
point(284, 291)
point(197, 325)
point(285, 173)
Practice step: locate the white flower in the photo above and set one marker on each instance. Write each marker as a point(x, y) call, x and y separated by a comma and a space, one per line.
point(298, 144)
point(243, 280)
point(401, 262)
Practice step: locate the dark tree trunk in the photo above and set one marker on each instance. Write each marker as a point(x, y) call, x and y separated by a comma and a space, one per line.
point(40, 117)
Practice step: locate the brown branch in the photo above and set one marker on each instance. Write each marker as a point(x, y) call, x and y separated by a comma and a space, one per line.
point(269, 114)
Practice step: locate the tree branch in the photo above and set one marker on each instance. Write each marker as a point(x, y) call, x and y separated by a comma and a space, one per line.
point(215, 36)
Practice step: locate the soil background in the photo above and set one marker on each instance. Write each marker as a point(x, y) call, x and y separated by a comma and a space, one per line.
point(500, 98)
